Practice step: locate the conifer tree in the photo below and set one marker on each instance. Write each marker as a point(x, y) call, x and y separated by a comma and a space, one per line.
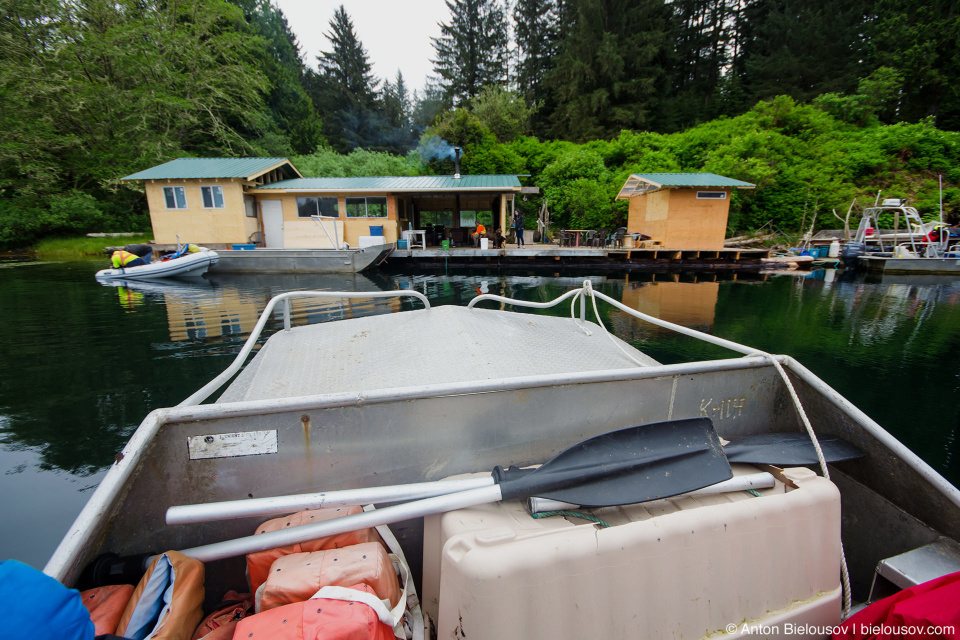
point(919, 39)
point(609, 71)
point(703, 48)
point(395, 101)
point(346, 89)
point(472, 51)
point(536, 29)
point(802, 48)
point(290, 107)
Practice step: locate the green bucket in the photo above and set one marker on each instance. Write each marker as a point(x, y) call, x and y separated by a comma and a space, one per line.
point(445, 244)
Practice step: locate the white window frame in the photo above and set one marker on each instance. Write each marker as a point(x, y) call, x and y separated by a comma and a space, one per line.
point(214, 189)
point(173, 192)
point(711, 195)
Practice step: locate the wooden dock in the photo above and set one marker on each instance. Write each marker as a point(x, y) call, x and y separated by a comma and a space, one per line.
point(552, 257)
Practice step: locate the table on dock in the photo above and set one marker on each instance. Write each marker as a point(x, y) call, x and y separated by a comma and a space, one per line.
point(410, 234)
point(578, 232)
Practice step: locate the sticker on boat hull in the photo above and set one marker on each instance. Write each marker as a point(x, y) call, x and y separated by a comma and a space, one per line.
point(232, 445)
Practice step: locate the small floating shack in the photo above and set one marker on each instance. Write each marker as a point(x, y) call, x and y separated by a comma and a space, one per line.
point(679, 211)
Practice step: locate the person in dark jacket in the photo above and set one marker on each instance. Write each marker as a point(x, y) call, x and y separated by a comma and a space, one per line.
point(518, 227)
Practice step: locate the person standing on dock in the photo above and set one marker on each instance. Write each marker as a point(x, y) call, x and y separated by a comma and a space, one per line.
point(518, 227)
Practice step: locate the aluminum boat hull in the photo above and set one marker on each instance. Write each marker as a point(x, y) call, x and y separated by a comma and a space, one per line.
point(399, 431)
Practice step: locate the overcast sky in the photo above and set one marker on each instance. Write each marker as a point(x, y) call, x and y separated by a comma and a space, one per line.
point(396, 34)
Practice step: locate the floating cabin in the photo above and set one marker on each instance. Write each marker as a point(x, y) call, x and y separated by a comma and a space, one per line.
point(225, 201)
point(680, 210)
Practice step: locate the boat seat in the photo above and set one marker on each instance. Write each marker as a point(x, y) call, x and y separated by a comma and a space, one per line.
point(915, 567)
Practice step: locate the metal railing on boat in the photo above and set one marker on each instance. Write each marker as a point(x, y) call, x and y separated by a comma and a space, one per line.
point(204, 392)
point(581, 294)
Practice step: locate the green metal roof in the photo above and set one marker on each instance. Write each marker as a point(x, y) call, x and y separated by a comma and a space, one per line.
point(639, 183)
point(401, 183)
point(186, 168)
point(691, 180)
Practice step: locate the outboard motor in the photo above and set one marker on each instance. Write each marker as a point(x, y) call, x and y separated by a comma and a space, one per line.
point(851, 252)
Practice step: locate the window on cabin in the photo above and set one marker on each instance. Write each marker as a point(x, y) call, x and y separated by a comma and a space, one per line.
point(373, 207)
point(711, 195)
point(442, 218)
point(318, 206)
point(175, 197)
point(212, 197)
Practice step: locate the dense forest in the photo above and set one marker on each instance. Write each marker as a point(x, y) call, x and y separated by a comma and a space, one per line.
point(815, 102)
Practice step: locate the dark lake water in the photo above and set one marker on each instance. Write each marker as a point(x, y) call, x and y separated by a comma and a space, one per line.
point(82, 363)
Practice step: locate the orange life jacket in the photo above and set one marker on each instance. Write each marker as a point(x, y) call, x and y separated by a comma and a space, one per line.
point(106, 605)
point(148, 615)
point(258, 564)
point(296, 577)
point(317, 618)
point(221, 624)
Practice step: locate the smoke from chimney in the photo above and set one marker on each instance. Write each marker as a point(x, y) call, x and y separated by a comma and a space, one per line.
point(456, 163)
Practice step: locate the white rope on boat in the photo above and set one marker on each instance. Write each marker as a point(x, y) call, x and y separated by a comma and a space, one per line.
point(588, 288)
point(844, 571)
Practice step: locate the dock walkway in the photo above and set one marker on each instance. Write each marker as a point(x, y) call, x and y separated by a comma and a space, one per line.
point(551, 256)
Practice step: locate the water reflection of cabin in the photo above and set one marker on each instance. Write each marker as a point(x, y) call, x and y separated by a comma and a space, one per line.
point(224, 201)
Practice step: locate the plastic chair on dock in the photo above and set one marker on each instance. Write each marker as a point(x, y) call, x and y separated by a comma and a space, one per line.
point(617, 240)
point(600, 239)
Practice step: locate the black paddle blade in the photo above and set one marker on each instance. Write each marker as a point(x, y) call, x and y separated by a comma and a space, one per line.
point(631, 465)
point(789, 449)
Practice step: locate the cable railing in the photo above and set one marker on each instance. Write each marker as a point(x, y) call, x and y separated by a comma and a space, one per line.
point(204, 392)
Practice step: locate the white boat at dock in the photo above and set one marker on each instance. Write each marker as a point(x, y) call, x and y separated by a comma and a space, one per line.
point(446, 393)
point(187, 265)
point(919, 247)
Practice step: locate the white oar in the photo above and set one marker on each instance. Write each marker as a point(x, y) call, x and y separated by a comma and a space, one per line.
point(621, 467)
point(780, 449)
point(279, 505)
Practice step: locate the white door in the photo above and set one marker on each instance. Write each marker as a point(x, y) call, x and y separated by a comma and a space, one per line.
point(272, 223)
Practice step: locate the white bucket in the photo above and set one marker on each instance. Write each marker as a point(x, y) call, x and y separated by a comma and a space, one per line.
point(484, 243)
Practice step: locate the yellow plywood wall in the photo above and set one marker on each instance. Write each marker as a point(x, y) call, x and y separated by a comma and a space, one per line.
point(196, 224)
point(648, 215)
point(696, 224)
point(304, 233)
point(678, 220)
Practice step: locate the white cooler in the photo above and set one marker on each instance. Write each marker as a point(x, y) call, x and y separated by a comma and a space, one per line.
point(370, 241)
point(733, 565)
